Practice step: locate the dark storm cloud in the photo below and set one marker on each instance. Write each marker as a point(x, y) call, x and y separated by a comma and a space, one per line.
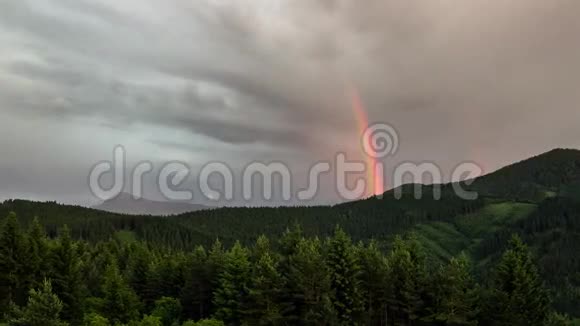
point(81, 87)
point(479, 80)
point(124, 102)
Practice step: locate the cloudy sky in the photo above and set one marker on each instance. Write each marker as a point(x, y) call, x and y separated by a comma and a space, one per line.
point(270, 80)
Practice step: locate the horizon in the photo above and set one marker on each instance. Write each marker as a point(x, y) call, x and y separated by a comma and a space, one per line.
point(127, 197)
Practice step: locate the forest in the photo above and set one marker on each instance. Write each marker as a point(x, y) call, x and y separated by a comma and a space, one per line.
point(294, 280)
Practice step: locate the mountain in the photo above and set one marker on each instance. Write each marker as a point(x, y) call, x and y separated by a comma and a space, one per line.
point(536, 198)
point(125, 203)
point(552, 174)
point(555, 173)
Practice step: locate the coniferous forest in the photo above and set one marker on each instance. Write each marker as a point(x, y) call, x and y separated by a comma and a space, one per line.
point(295, 280)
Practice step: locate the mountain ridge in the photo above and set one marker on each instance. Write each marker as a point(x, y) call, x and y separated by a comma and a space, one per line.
point(533, 179)
point(126, 203)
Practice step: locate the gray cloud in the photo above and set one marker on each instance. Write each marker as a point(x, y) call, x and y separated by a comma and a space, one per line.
point(480, 80)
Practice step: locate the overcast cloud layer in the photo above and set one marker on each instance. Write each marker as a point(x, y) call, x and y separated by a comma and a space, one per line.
point(485, 80)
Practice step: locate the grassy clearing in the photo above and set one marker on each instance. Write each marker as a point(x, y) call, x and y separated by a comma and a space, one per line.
point(445, 240)
point(125, 236)
point(492, 218)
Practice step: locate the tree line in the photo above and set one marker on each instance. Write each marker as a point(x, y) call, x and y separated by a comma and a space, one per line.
point(371, 218)
point(294, 280)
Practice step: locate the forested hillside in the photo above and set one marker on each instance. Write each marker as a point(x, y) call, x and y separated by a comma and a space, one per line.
point(536, 199)
point(297, 280)
point(556, 173)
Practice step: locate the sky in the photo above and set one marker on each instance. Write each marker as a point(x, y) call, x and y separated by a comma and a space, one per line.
point(199, 81)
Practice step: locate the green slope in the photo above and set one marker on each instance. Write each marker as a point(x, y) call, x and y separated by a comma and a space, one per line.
point(466, 232)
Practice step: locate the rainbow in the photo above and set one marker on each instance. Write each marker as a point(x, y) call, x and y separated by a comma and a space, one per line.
point(374, 177)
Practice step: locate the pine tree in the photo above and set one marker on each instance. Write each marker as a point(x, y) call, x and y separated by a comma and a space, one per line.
point(66, 277)
point(374, 270)
point(37, 253)
point(345, 278)
point(94, 262)
point(287, 246)
point(263, 303)
point(406, 282)
point(164, 279)
point(455, 296)
point(215, 265)
point(261, 248)
point(43, 309)
point(290, 239)
point(518, 296)
point(14, 280)
point(168, 310)
point(94, 319)
point(139, 266)
point(196, 293)
point(216, 259)
point(310, 286)
point(232, 287)
point(120, 303)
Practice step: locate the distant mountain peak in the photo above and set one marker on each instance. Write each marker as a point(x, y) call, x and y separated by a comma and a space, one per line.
point(126, 203)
